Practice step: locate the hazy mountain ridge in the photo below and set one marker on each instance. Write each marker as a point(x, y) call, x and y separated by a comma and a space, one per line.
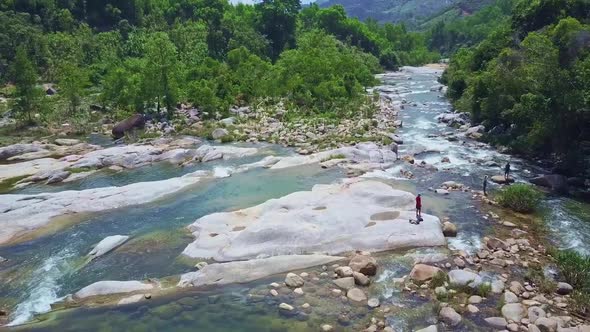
point(412, 12)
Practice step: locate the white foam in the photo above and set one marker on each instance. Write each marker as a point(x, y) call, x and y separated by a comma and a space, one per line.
point(222, 171)
point(43, 287)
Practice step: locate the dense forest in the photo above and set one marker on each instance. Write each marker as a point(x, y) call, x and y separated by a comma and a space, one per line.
point(146, 55)
point(528, 82)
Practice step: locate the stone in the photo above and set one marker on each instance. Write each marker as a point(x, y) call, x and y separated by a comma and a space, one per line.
point(449, 316)
point(337, 214)
point(440, 291)
point(564, 288)
point(327, 328)
point(459, 262)
point(364, 264)
point(219, 133)
point(286, 307)
point(336, 292)
point(274, 292)
point(496, 244)
point(498, 286)
point(510, 297)
point(373, 302)
point(546, 324)
point(441, 191)
point(533, 328)
point(298, 291)
point(513, 311)
point(423, 272)
point(305, 306)
point(516, 287)
point(108, 287)
point(107, 244)
point(475, 299)
point(535, 313)
point(245, 271)
point(556, 182)
point(345, 283)
point(356, 295)
point(293, 280)
point(500, 179)
point(431, 328)
point(201, 265)
point(136, 121)
point(361, 279)
point(131, 299)
point(513, 327)
point(67, 141)
point(472, 309)
point(344, 271)
point(461, 278)
point(498, 323)
point(449, 229)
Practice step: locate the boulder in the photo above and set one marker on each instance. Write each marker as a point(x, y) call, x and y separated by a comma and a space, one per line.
point(564, 288)
point(136, 121)
point(510, 297)
point(535, 313)
point(498, 323)
point(441, 191)
point(67, 141)
point(219, 133)
point(330, 219)
point(345, 283)
point(361, 279)
point(500, 179)
point(431, 328)
point(364, 264)
point(106, 245)
point(357, 295)
point(292, 280)
point(344, 271)
point(423, 272)
point(555, 182)
point(373, 302)
point(449, 316)
point(101, 288)
point(513, 311)
point(449, 229)
point(464, 278)
point(546, 324)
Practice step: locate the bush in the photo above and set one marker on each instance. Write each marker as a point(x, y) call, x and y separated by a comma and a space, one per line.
point(520, 198)
point(575, 269)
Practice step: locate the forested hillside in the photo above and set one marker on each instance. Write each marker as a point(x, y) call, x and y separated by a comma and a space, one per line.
point(413, 13)
point(141, 55)
point(528, 82)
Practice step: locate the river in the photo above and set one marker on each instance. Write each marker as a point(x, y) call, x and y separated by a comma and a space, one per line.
point(42, 271)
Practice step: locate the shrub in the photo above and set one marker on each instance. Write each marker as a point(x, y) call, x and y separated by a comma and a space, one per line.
point(575, 269)
point(520, 198)
point(438, 280)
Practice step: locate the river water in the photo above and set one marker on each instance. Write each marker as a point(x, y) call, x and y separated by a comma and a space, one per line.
point(42, 271)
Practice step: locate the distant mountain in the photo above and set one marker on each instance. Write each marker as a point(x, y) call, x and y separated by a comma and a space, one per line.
point(412, 12)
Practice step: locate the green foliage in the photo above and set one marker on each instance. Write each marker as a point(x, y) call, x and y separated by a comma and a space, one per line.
point(520, 197)
point(27, 97)
point(533, 89)
point(439, 279)
point(536, 275)
point(72, 82)
point(575, 268)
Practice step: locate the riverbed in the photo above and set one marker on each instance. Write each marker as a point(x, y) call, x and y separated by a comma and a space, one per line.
point(42, 271)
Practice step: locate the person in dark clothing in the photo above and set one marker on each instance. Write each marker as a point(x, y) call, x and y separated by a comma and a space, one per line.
point(507, 171)
point(419, 207)
point(485, 185)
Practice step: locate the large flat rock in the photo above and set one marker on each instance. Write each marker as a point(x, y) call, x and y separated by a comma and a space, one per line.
point(109, 287)
point(23, 214)
point(329, 219)
point(246, 271)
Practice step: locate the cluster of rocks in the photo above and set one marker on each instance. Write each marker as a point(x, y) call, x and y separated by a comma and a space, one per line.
point(349, 281)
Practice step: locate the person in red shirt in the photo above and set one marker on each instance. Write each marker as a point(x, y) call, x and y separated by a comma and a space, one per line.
point(419, 207)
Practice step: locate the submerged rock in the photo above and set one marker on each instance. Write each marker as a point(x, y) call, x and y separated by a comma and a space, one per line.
point(107, 244)
point(423, 272)
point(330, 219)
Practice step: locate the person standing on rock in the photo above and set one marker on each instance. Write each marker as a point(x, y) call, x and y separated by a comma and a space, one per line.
point(507, 171)
point(419, 208)
point(485, 185)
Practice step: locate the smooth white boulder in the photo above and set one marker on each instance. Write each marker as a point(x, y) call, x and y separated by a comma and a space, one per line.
point(246, 271)
point(108, 287)
point(363, 152)
point(23, 214)
point(330, 219)
point(107, 244)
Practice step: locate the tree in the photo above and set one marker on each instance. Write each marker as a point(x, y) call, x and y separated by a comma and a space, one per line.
point(24, 77)
point(278, 21)
point(72, 82)
point(160, 72)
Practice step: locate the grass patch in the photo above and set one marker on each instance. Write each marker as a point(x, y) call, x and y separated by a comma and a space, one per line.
point(334, 156)
point(536, 276)
point(575, 269)
point(439, 279)
point(520, 198)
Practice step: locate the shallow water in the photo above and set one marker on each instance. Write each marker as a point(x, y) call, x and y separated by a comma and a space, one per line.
point(43, 270)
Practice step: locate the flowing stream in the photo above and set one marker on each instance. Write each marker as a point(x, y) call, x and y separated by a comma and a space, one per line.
point(42, 271)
